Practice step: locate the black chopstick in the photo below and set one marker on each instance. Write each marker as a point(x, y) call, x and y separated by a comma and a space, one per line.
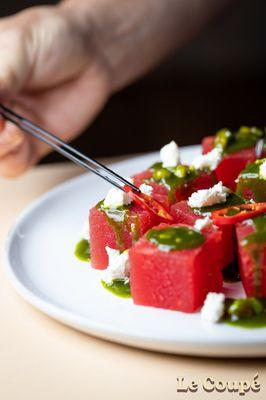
point(65, 149)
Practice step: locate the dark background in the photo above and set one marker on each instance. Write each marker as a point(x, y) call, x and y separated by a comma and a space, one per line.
point(218, 80)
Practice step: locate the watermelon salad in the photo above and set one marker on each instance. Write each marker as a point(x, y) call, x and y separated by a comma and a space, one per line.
point(215, 229)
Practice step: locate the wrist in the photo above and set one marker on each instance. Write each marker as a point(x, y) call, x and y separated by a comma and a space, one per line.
point(127, 36)
point(132, 37)
point(80, 15)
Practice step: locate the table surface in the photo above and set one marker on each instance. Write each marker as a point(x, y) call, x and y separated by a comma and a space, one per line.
point(42, 359)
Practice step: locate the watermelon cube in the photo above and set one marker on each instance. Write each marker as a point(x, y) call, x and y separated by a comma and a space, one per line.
point(105, 230)
point(184, 214)
point(169, 190)
point(251, 184)
point(159, 193)
point(231, 164)
point(251, 237)
point(175, 278)
point(204, 180)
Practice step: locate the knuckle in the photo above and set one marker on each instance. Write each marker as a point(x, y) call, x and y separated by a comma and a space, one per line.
point(12, 35)
point(10, 81)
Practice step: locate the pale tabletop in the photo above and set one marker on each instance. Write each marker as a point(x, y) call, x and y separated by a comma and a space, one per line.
point(42, 359)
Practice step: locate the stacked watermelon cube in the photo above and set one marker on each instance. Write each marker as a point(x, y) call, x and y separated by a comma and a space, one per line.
point(179, 278)
point(183, 213)
point(251, 237)
point(108, 232)
point(238, 149)
point(251, 182)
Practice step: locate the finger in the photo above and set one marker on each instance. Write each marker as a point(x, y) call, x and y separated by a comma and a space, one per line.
point(34, 44)
point(19, 160)
point(10, 138)
point(66, 110)
point(18, 150)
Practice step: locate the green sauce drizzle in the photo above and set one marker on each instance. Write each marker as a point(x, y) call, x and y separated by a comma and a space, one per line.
point(232, 199)
point(82, 250)
point(223, 138)
point(117, 219)
point(118, 287)
point(246, 313)
point(173, 178)
point(135, 228)
point(259, 236)
point(175, 238)
point(244, 138)
point(258, 321)
point(251, 183)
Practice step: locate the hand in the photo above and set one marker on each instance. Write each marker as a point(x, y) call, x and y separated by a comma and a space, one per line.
point(50, 73)
point(60, 64)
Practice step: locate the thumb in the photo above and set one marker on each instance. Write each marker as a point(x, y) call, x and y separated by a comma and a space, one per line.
point(15, 66)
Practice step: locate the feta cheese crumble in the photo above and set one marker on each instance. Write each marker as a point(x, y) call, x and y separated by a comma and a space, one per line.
point(169, 155)
point(116, 198)
point(209, 160)
point(213, 307)
point(200, 224)
point(118, 266)
point(146, 189)
point(263, 170)
point(208, 197)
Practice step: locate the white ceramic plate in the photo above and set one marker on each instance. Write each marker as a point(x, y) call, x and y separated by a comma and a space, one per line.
point(42, 268)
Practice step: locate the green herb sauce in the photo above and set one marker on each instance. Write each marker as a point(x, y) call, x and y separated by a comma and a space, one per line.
point(82, 250)
point(117, 219)
point(135, 228)
point(232, 199)
point(173, 178)
point(229, 142)
point(258, 321)
point(250, 182)
point(246, 313)
point(118, 287)
point(223, 138)
point(175, 238)
point(259, 236)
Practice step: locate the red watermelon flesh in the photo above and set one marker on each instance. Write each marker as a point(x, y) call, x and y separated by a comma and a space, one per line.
point(252, 263)
point(184, 214)
point(176, 280)
point(231, 165)
point(161, 193)
point(117, 235)
point(142, 176)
